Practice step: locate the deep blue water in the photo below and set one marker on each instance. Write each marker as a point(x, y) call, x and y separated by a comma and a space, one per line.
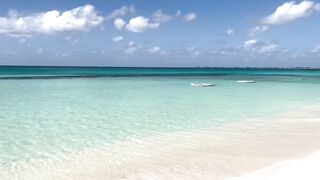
point(33, 72)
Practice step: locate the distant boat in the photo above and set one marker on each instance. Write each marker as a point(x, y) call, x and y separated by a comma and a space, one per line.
point(201, 84)
point(246, 81)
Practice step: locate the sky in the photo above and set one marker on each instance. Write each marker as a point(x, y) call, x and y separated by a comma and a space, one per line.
point(191, 33)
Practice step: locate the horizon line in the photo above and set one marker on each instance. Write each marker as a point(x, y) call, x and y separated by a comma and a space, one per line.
point(168, 67)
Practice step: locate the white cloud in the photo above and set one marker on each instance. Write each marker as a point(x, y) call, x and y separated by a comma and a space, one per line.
point(258, 29)
point(124, 10)
point(160, 17)
point(78, 19)
point(260, 47)
point(286, 13)
point(119, 23)
point(141, 24)
point(190, 16)
point(268, 48)
point(230, 32)
point(290, 11)
point(117, 39)
point(154, 50)
point(250, 43)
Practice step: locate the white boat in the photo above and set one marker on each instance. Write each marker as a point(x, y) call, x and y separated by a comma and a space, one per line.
point(201, 84)
point(246, 81)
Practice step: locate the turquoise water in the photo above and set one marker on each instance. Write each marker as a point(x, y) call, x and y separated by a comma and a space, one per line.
point(42, 117)
point(115, 71)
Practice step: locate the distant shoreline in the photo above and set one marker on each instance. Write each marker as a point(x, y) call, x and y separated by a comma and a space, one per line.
point(166, 67)
point(70, 72)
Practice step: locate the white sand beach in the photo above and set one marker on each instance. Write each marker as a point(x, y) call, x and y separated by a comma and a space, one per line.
point(303, 168)
point(236, 151)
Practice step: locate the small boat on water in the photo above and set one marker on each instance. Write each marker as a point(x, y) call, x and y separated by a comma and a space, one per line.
point(201, 84)
point(246, 81)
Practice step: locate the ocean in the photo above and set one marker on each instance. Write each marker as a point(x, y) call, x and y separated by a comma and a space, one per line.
point(53, 115)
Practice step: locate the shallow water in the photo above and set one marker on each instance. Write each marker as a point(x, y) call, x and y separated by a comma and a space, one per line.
point(44, 118)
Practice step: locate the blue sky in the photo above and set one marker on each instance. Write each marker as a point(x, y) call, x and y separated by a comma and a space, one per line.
point(226, 33)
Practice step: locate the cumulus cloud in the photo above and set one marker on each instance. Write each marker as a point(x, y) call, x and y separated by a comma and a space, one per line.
point(290, 11)
point(160, 17)
point(141, 24)
point(190, 16)
point(287, 12)
point(154, 50)
point(254, 45)
point(119, 23)
point(117, 39)
point(78, 19)
point(124, 10)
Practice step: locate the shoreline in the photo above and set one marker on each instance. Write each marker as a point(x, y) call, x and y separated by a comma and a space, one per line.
point(295, 169)
point(233, 150)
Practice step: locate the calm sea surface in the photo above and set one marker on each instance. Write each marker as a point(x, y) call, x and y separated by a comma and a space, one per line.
point(46, 111)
